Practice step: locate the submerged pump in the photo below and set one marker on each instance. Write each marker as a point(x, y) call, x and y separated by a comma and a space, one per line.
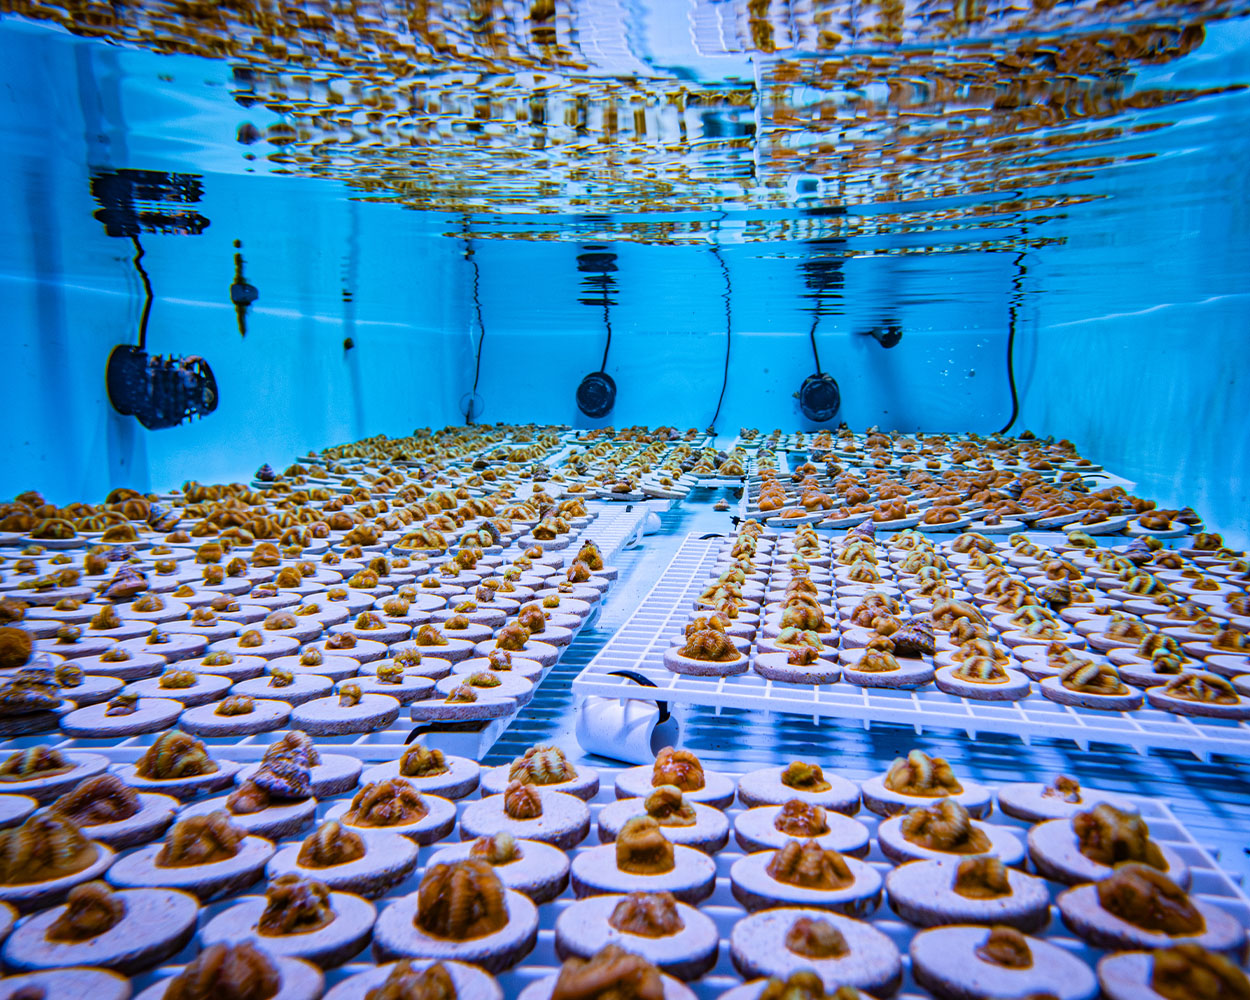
point(819, 396)
point(157, 391)
point(596, 395)
point(887, 336)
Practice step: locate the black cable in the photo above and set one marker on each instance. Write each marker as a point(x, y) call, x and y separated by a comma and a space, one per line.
point(607, 322)
point(728, 332)
point(147, 293)
point(812, 335)
point(1011, 375)
point(481, 329)
point(1012, 310)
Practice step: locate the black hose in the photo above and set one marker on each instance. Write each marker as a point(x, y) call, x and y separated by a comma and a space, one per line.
point(812, 335)
point(728, 333)
point(481, 330)
point(1017, 295)
point(147, 293)
point(607, 323)
point(1011, 375)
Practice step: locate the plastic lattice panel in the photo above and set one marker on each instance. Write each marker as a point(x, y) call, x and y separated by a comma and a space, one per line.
point(640, 643)
point(613, 528)
point(1209, 883)
point(616, 527)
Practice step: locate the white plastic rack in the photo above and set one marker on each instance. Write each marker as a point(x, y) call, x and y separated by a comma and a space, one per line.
point(639, 646)
point(613, 529)
point(1209, 883)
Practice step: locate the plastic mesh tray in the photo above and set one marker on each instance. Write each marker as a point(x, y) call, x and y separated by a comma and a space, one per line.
point(1209, 883)
point(640, 643)
point(613, 529)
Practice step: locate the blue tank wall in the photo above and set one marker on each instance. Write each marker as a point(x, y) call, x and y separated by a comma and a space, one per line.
point(1156, 398)
point(1138, 345)
point(668, 346)
point(71, 292)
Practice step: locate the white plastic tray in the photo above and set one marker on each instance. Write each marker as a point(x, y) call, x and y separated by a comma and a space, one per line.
point(1210, 883)
point(613, 529)
point(640, 643)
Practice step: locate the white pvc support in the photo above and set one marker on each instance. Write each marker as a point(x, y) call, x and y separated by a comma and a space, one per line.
point(624, 729)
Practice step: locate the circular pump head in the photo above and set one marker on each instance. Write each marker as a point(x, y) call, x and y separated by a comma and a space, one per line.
point(819, 397)
point(471, 404)
point(887, 336)
point(596, 395)
point(159, 392)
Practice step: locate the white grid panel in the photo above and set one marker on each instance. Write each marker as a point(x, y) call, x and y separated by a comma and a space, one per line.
point(640, 643)
point(1209, 883)
point(713, 28)
point(719, 484)
point(783, 464)
point(613, 528)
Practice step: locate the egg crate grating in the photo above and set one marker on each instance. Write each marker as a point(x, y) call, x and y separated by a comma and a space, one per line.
point(706, 481)
point(570, 441)
point(751, 485)
point(714, 29)
point(720, 483)
point(495, 453)
point(820, 514)
point(1209, 883)
point(615, 444)
point(639, 646)
point(684, 483)
point(805, 443)
point(553, 458)
point(754, 471)
point(612, 529)
point(751, 492)
point(316, 458)
point(710, 482)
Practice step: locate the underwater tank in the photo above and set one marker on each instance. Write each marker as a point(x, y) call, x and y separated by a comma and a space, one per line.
point(587, 498)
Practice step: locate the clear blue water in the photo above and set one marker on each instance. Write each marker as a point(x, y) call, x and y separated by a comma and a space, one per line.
point(415, 176)
point(443, 182)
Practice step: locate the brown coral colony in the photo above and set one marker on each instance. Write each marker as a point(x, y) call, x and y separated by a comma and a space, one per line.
point(461, 901)
point(386, 803)
point(679, 768)
point(200, 840)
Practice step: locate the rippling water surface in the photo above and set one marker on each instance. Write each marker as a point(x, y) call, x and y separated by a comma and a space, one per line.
point(918, 164)
point(709, 198)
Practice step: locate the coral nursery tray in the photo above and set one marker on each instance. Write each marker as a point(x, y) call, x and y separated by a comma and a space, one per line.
point(612, 527)
point(639, 645)
point(1210, 884)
